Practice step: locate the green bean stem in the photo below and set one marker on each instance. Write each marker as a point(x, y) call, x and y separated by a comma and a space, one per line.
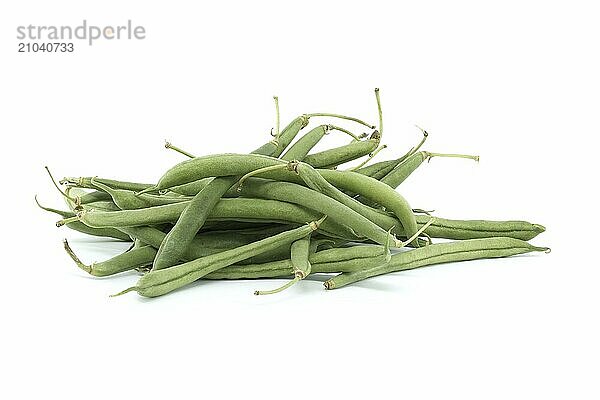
point(358, 121)
point(169, 145)
point(379, 111)
point(276, 116)
point(369, 158)
point(81, 227)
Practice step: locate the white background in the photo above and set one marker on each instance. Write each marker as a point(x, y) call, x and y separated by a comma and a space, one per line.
point(515, 82)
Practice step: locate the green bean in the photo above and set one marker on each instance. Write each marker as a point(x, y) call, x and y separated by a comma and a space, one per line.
point(346, 253)
point(381, 168)
point(96, 205)
point(327, 261)
point(205, 244)
point(216, 165)
point(285, 137)
point(129, 200)
point(300, 149)
point(159, 282)
point(92, 197)
point(299, 253)
point(131, 259)
point(81, 227)
point(271, 269)
point(292, 193)
point(237, 226)
point(476, 229)
point(315, 181)
point(385, 195)
point(439, 253)
point(240, 209)
point(193, 188)
point(339, 155)
point(399, 174)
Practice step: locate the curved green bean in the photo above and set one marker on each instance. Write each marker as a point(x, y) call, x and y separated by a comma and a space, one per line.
point(293, 193)
point(439, 253)
point(159, 282)
point(131, 259)
point(239, 209)
point(340, 155)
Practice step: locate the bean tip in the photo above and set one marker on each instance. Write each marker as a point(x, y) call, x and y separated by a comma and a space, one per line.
point(539, 228)
point(122, 292)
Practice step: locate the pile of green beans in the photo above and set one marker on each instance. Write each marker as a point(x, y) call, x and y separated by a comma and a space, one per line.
point(281, 211)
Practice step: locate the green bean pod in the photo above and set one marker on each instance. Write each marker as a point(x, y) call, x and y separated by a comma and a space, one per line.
point(340, 155)
point(299, 254)
point(216, 165)
point(377, 170)
point(399, 174)
point(133, 258)
point(381, 169)
point(208, 243)
point(477, 229)
point(372, 188)
point(92, 197)
point(275, 147)
point(439, 253)
point(300, 149)
point(159, 282)
point(293, 193)
point(239, 209)
point(314, 180)
point(129, 200)
point(327, 261)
